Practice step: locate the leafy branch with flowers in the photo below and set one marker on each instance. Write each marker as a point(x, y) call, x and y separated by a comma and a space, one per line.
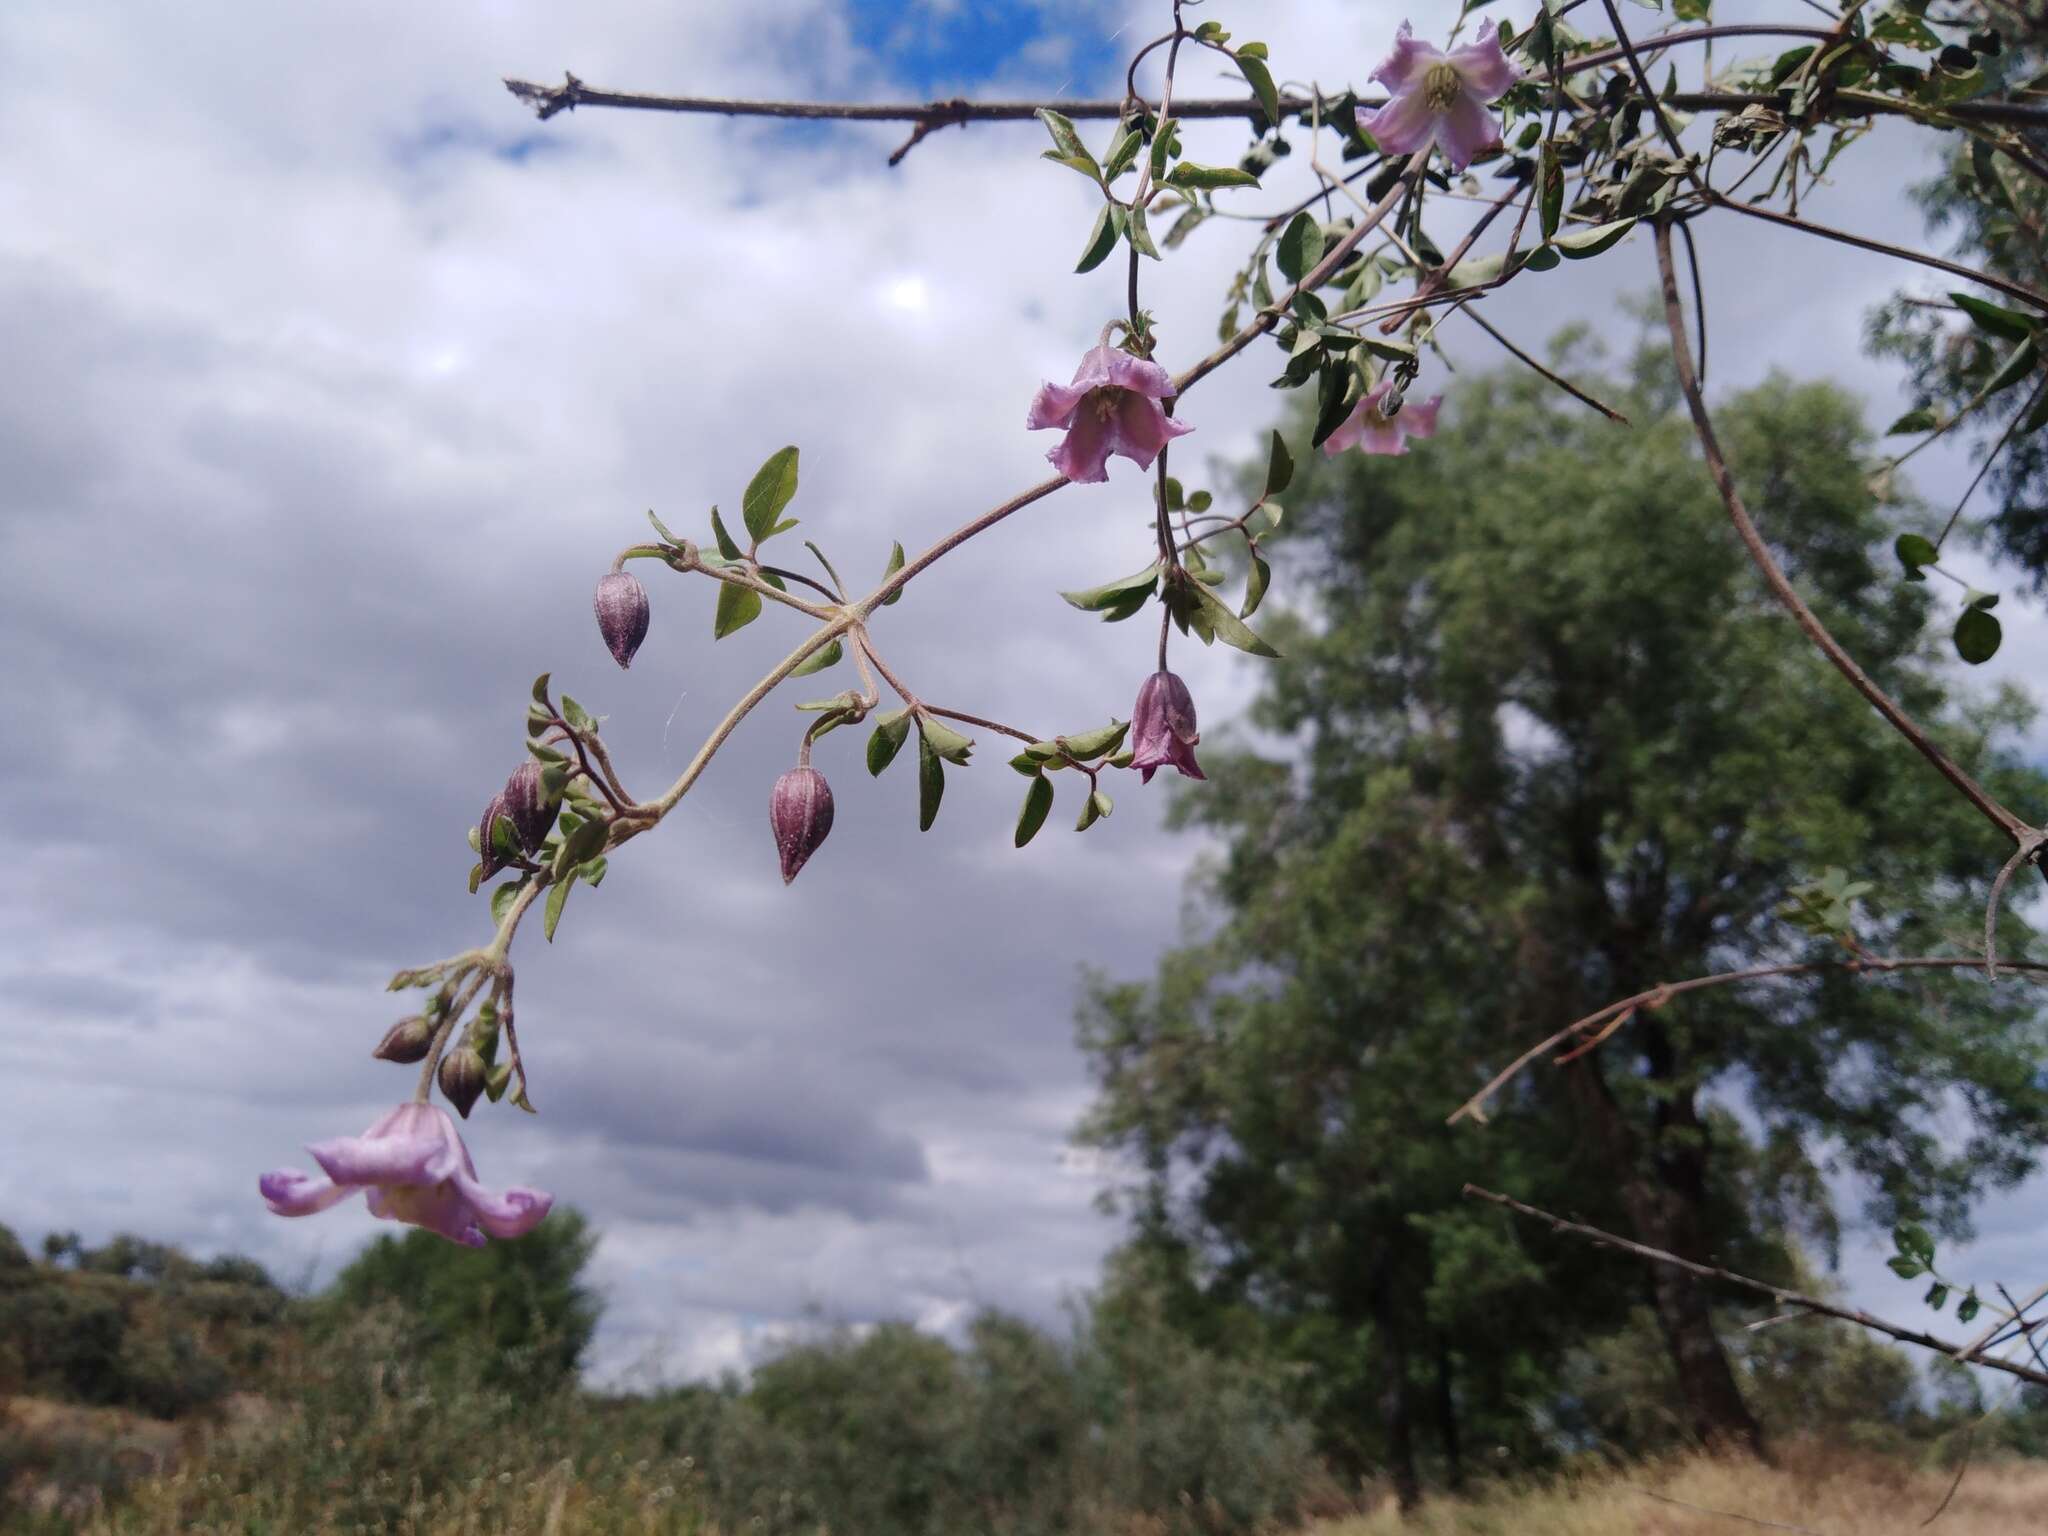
point(1590, 154)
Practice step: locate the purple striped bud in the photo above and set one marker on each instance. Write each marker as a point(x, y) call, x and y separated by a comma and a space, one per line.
point(527, 804)
point(800, 812)
point(462, 1076)
point(621, 605)
point(1163, 733)
point(497, 810)
point(406, 1042)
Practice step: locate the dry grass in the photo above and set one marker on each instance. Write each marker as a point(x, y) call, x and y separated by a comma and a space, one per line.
point(1830, 1493)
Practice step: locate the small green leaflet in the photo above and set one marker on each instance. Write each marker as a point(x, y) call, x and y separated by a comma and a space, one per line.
point(1067, 147)
point(819, 660)
point(895, 565)
point(942, 739)
point(1995, 318)
point(1208, 178)
point(1300, 247)
point(1227, 626)
point(1109, 226)
point(1037, 803)
point(1978, 635)
point(1921, 420)
point(891, 731)
point(931, 784)
point(1915, 551)
point(1260, 79)
point(558, 898)
point(771, 489)
point(1112, 594)
point(1279, 470)
point(737, 608)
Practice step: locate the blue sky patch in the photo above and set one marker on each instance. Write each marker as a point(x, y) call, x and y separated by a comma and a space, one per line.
point(941, 47)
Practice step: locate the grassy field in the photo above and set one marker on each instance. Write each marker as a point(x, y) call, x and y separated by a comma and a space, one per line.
point(198, 1489)
point(1812, 1489)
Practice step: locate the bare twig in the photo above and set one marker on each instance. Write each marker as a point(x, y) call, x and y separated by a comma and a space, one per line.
point(1760, 553)
point(1777, 1293)
point(1474, 1108)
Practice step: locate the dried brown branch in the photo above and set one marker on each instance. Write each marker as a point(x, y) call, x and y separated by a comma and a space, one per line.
point(1681, 353)
point(1604, 1021)
point(1777, 1293)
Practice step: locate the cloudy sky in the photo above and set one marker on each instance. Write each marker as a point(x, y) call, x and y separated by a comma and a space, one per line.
point(334, 380)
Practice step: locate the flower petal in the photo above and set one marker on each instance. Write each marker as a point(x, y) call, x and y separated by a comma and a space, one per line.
point(1406, 65)
point(1096, 366)
point(289, 1192)
point(1404, 125)
point(1466, 130)
point(1419, 420)
point(1053, 406)
point(437, 1208)
point(1083, 454)
point(512, 1213)
point(1138, 374)
point(1484, 67)
point(1142, 429)
point(413, 1144)
point(1346, 434)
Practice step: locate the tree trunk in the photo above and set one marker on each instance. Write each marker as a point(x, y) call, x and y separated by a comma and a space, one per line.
point(1397, 1401)
point(1447, 1418)
point(1662, 1200)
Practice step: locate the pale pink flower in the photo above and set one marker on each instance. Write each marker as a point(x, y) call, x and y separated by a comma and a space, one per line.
point(1372, 431)
point(1440, 98)
point(1111, 407)
point(416, 1170)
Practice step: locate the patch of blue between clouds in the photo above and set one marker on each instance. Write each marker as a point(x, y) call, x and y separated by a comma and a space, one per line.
point(948, 47)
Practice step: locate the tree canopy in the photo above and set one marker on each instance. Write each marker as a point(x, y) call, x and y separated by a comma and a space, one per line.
point(1543, 740)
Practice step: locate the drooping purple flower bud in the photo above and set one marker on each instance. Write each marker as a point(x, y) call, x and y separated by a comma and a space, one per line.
point(462, 1076)
point(496, 810)
point(527, 804)
point(800, 812)
point(1113, 406)
point(406, 1042)
point(621, 605)
point(1440, 98)
point(1163, 733)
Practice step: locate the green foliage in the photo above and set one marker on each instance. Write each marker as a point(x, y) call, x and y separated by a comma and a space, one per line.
point(1551, 744)
point(517, 1313)
point(131, 1324)
point(883, 1431)
point(1997, 213)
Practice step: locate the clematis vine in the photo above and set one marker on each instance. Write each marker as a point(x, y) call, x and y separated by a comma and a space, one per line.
point(1163, 733)
point(1113, 406)
point(416, 1170)
point(1440, 98)
point(1371, 429)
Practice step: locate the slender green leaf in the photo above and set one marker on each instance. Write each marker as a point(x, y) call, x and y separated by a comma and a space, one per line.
point(1260, 79)
point(891, 731)
point(931, 784)
point(737, 608)
point(771, 489)
point(1279, 467)
point(1037, 802)
point(819, 660)
point(558, 897)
